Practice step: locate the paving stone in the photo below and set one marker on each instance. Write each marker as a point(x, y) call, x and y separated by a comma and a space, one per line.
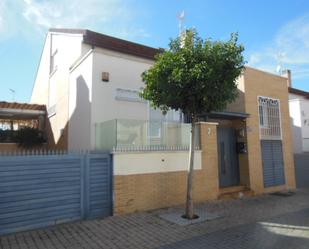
point(273, 233)
point(261, 222)
point(176, 217)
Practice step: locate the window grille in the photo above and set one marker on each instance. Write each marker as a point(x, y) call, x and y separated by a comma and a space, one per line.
point(269, 116)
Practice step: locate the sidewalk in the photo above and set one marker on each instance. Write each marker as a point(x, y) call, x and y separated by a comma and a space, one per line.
point(238, 227)
point(282, 232)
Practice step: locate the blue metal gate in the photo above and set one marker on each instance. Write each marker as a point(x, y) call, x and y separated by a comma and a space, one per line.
point(41, 190)
point(273, 164)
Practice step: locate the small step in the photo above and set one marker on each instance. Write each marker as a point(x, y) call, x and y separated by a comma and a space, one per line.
point(235, 192)
point(232, 189)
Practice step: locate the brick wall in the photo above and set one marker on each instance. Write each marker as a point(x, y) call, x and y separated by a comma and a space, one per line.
point(9, 147)
point(258, 83)
point(139, 192)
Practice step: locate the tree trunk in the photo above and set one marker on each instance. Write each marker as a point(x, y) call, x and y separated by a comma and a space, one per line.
point(189, 205)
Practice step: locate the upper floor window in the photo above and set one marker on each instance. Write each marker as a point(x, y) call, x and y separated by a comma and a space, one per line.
point(269, 118)
point(53, 61)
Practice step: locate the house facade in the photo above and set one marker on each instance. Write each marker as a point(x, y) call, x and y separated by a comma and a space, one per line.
point(246, 150)
point(90, 84)
point(299, 113)
point(85, 78)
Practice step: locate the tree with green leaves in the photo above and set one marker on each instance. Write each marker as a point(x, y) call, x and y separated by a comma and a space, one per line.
point(197, 77)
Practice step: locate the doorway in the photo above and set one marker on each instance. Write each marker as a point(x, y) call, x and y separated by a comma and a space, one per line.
point(228, 157)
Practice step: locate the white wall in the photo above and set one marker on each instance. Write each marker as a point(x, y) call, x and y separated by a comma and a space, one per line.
point(299, 113)
point(304, 110)
point(294, 106)
point(125, 73)
point(80, 102)
point(296, 96)
point(131, 163)
point(69, 50)
point(52, 89)
point(40, 88)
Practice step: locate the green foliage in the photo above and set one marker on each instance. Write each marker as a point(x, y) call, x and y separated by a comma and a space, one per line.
point(29, 137)
point(196, 76)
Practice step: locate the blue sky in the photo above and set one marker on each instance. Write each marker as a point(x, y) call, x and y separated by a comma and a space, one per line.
point(272, 32)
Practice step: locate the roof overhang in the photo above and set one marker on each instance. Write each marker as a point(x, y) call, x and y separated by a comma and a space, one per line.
point(8, 113)
point(299, 92)
point(112, 43)
point(21, 111)
point(227, 115)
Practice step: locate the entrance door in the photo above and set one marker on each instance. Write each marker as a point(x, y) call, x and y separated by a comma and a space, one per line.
point(228, 158)
point(273, 164)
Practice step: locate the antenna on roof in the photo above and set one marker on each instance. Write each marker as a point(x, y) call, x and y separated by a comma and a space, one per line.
point(279, 68)
point(13, 94)
point(181, 18)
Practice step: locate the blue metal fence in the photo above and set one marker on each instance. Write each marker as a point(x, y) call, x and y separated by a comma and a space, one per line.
point(41, 190)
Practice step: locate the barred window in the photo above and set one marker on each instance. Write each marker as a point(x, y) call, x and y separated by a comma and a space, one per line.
point(269, 115)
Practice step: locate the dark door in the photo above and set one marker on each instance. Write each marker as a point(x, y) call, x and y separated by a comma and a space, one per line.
point(273, 164)
point(228, 157)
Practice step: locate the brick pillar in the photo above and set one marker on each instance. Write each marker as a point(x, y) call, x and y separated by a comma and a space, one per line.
point(206, 182)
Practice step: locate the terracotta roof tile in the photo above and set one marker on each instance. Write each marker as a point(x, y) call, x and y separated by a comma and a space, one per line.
point(25, 106)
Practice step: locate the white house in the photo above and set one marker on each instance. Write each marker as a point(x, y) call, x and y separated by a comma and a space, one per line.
point(85, 78)
point(299, 113)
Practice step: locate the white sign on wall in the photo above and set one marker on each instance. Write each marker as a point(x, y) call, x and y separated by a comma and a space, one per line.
point(129, 95)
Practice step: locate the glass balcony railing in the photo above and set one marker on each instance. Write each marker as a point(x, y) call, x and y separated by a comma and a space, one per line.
point(138, 135)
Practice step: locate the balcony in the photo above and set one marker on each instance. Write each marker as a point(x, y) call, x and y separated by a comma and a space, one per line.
point(139, 135)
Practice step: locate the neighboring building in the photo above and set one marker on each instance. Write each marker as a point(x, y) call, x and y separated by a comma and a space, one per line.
point(299, 113)
point(15, 116)
point(90, 84)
